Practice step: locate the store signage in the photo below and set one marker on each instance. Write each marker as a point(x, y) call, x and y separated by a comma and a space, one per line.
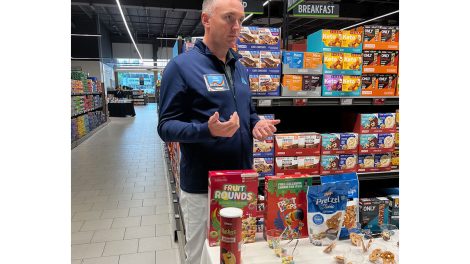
point(317, 10)
point(291, 4)
point(253, 6)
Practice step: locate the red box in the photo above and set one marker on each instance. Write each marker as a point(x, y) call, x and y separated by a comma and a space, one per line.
point(236, 188)
point(297, 144)
point(297, 165)
point(286, 205)
point(375, 123)
point(338, 163)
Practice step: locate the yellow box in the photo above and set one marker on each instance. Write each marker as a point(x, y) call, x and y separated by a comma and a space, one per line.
point(351, 38)
point(352, 61)
point(292, 82)
point(351, 83)
point(331, 38)
point(333, 60)
point(312, 60)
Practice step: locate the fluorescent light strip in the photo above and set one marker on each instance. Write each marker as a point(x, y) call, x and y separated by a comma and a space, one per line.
point(168, 38)
point(85, 35)
point(127, 27)
point(246, 18)
point(375, 18)
point(267, 2)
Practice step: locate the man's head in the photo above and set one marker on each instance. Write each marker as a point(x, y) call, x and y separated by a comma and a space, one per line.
point(222, 20)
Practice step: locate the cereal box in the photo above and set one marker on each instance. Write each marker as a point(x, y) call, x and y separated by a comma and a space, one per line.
point(366, 163)
point(265, 148)
point(383, 161)
point(232, 189)
point(270, 59)
point(373, 212)
point(351, 83)
point(351, 217)
point(251, 58)
point(395, 159)
point(254, 82)
point(269, 36)
point(249, 35)
point(370, 58)
point(264, 166)
point(339, 143)
point(333, 60)
point(352, 61)
point(351, 39)
point(297, 144)
point(333, 82)
point(286, 205)
point(375, 123)
point(313, 60)
point(268, 85)
point(339, 163)
point(297, 165)
point(331, 38)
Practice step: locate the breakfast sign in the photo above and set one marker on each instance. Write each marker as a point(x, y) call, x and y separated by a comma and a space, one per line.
point(316, 10)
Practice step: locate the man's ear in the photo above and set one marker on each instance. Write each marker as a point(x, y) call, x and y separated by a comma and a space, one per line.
point(205, 19)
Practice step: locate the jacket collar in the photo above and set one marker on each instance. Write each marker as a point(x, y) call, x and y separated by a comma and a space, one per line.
point(232, 55)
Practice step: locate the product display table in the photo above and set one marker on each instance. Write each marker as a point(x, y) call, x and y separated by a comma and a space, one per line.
point(260, 253)
point(121, 109)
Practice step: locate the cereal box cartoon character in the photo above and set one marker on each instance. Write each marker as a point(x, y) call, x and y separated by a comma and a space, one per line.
point(291, 223)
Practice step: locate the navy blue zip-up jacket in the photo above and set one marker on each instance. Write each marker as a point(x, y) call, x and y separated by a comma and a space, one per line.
point(186, 105)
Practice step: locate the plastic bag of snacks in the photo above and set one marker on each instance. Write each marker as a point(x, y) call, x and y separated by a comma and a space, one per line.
point(326, 207)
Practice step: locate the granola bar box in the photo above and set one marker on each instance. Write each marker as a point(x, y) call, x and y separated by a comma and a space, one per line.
point(264, 166)
point(297, 165)
point(286, 205)
point(373, 212)
point(259, 38)
point(297, 144)
point(339, 163)
point(237, 188)
point(376, 143)
point(375, 123)
point(339, 143)
point(265, 148)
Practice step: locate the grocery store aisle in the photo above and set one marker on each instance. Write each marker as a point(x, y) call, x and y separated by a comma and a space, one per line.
point(121, 210)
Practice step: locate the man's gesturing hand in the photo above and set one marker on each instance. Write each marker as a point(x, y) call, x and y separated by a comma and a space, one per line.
point(223, 129)
point(265, 128)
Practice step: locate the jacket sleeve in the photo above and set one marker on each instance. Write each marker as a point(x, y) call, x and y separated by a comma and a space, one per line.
point(174, 110)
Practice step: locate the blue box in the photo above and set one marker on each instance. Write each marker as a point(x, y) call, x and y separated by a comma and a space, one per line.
point(293, 59)
point(326, 40)
point(264, 166)
point(259, 38)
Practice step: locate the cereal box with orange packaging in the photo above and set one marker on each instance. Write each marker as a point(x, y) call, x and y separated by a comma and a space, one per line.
point(286, 205)
point(326, 40)
point(232, 188)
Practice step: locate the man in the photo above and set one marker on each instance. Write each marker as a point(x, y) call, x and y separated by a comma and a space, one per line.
point(205, 104)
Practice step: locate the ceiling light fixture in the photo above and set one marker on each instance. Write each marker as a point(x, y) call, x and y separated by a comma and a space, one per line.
point(127, 27)
point(86, 35)
point(372, 19)
point(168, 38)
point(267, 2)
point(246, 18)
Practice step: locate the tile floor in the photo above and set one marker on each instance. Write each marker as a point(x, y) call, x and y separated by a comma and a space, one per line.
point(121, 212)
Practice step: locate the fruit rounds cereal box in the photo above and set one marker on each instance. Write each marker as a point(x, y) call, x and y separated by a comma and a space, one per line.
point(237, 188)
point(286, 205)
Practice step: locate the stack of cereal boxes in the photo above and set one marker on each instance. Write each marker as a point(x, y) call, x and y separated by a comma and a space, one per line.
point(238, 188)
point(286, 205)
point(301, 73)
point(342, 60)
point(260, 48)
point(339, 153)
point(395, 153)
point(376, 141)
point(297, 153)
point(380, 61)
point(263, 153)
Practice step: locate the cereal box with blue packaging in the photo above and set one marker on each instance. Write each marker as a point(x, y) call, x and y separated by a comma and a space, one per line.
point(258, 38)
point(339, 143)
point(375, 123)
point(376, 143)
point(373, 212)
point(351, 217)
point(383, 161)
point(339, 163)
point(366, 163)
point(270, 60)
point(293, 59)
point(250, 58)
point(265, 148)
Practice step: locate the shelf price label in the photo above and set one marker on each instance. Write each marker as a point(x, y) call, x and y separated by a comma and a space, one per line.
point(300, 102)
point(378, 101)
point(264, 102)
point(346, 101)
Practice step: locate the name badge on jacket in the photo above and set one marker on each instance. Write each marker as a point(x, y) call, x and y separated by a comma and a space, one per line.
point(216, 82)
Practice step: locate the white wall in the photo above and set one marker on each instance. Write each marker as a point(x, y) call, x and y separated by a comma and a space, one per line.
point(93, 68)
point(127, 50)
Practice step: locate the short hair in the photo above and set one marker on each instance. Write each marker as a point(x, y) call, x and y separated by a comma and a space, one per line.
point(208, 5)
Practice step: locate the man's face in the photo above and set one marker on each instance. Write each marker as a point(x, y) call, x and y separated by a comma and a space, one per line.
point(225, 22)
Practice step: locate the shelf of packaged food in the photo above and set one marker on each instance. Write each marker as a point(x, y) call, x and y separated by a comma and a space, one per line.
point(269, 101)
point(79, 141)
point(91, 110)
point(76, 94)
point(364, 176)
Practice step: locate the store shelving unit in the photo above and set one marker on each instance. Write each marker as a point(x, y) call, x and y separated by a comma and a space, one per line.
point(270, 101)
